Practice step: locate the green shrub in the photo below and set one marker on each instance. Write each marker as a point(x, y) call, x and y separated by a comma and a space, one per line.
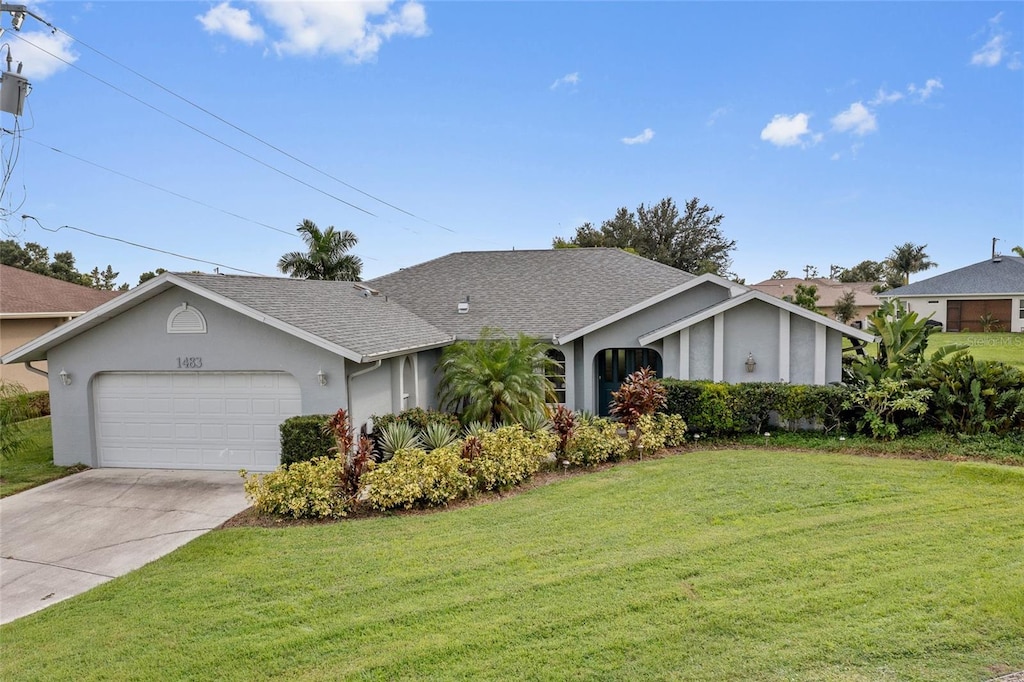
point(414, 478)
point(307, 489)
point(509, 455)
point(595, 441)
point(438, 435)
point(672, 427)
point(395, 436)
point(888, 407)
point(13, 407)
point(418, 418)
point(706, 406)
point(303, 438)
point(971, 396)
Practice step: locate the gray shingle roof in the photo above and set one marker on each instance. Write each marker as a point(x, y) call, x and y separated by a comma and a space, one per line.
point(1005, 276)
point(539, 293)
point(335, 311)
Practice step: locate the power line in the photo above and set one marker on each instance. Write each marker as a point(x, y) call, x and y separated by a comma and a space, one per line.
point(252, 135)
point(141, 246)
point(195, 129)
point(162, 189)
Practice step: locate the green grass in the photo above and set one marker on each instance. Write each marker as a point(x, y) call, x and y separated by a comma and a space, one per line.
point(1002, 346)
point(711, 565)
point(34, 464)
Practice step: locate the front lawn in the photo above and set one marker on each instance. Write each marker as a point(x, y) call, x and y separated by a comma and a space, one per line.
point(34, 464)
point(1002, 346)
point(712, 565)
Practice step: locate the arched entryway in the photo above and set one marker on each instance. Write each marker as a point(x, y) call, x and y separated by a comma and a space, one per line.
point(613, 365)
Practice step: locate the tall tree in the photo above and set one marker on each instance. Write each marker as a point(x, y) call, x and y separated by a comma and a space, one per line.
point(691, 240)
point(805, 296)
point(326, 256)
point(1019, 250)
point(845, 308)
point(865, 271)
point(909, 258)
point(36, 258)
point(780, 274)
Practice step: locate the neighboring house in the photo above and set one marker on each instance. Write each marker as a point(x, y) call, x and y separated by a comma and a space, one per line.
point(829, 291)
point(989, 294)
point(33, 304)
point(197, 371)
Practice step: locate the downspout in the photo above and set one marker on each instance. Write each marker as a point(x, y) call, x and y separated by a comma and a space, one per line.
point(36, 370)
point(348, 384)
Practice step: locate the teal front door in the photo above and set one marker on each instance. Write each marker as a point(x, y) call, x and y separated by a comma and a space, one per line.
point(613, 365)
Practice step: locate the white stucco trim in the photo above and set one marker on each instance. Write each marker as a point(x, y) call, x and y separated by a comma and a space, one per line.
point(718, 356)
point(751, 295)
point(784, 349)
point(734, 290)
point(39, 316)
point(819, 354)
point(684, 354)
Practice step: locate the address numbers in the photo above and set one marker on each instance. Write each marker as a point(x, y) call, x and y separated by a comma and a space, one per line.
point(190, 363)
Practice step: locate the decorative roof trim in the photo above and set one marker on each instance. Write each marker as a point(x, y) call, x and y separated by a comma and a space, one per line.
point(752, 295)
point(186, 320)
point(733, 288)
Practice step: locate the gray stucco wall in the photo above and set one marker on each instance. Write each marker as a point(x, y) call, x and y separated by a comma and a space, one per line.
point(833, 356)
point(137, 340)
point(752, 328)
point(801, 350)
point(702, 350)
point(626, 332)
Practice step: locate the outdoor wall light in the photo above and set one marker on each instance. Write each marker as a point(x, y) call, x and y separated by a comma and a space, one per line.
point(751, 363)
point(321, 378)
point(65, 378)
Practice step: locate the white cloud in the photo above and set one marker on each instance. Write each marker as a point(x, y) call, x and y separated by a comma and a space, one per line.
point(39, 65)
point(568, 79)
point(789, 131)
point(883, 97)
point(995, 48)
point(930, 86)
point(835, 156)
point(717, 114)
point(1014, 64)
point(857, 119)
point(354, 30)
point(232, 22)
point(643, 138)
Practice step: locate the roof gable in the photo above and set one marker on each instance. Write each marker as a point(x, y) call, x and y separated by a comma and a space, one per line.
point(1001, 275)
point(335, 316)
point(752, 295)
point(29, 294)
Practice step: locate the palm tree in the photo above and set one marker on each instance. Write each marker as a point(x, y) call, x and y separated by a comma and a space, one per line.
point(909, 258)
point(1019, 250)
point(496, 379)
point(326, 257)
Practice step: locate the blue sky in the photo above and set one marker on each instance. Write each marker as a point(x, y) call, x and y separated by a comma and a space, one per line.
point(826, 133)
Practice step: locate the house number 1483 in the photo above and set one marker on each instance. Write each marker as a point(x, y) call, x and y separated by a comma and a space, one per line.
point(190, 363)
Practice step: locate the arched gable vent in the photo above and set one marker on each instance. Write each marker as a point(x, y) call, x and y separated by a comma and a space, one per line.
point(186, 320)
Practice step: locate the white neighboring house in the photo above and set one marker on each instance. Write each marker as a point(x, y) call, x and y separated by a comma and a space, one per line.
point(197, 371)
point(965, 299)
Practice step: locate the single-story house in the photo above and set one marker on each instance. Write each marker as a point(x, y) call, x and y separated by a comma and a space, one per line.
point(984, 296)
point(32, 304)
point(829, 293)
point(197, 371)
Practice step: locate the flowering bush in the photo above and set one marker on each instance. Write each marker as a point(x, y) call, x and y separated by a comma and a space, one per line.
point(414, 477)
point(309, 489)
point(595, 441)
point(508, 456)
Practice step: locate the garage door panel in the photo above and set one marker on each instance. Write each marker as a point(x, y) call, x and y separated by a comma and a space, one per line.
point(197, 421)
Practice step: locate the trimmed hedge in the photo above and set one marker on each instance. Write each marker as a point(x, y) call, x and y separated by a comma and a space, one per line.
point(719, 409)
point(30, 405)
point(303, 438)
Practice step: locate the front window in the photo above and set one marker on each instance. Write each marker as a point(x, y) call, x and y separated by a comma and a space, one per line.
point(556, 374)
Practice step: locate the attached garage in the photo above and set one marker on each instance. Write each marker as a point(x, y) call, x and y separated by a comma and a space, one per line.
point(192, 420)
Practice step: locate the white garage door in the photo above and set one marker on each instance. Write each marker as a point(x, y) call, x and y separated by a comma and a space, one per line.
point(193, 420)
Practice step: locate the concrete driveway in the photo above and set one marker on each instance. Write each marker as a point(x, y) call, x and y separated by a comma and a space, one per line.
point(68, 536)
